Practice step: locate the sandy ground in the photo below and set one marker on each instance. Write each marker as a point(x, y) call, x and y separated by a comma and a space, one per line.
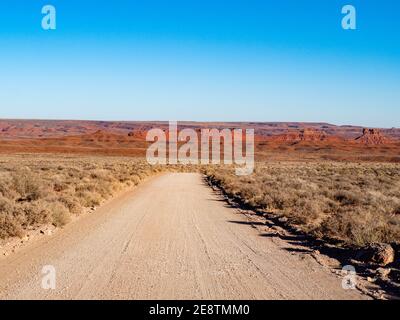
point(172, 238)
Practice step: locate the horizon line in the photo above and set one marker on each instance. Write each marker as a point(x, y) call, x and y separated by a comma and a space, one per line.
point(199, 121)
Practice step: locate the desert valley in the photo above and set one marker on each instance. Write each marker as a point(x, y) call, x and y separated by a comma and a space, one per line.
point(325, 194)
point(274, 141)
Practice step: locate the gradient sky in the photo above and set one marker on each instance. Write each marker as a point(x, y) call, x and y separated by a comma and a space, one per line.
point(286, 60)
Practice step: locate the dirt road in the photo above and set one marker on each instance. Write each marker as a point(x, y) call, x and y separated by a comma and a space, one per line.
point(172, 238)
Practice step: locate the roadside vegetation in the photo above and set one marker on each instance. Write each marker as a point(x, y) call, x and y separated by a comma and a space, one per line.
point(354, 203)
point(37, 190)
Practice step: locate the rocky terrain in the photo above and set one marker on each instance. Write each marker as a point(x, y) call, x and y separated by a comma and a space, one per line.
point(58, 128)
point(277, 141)
point(373, 137)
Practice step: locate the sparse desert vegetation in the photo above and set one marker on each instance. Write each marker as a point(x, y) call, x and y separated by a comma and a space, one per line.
point(352, 203)
point(40, 189)
point(355, 203)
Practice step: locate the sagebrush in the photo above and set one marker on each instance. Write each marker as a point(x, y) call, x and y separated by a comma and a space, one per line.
point(37, 190)
point(358, 203)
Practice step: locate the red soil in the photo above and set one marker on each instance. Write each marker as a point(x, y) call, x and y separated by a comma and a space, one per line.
point(273, 140)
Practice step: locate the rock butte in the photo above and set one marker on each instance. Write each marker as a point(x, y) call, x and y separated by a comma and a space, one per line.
point(273, 140)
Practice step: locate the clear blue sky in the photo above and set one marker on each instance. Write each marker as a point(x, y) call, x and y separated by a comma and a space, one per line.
point(286, 60)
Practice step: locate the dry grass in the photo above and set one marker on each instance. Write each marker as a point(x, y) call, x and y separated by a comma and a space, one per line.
point(350, 202)
point(37, 190)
